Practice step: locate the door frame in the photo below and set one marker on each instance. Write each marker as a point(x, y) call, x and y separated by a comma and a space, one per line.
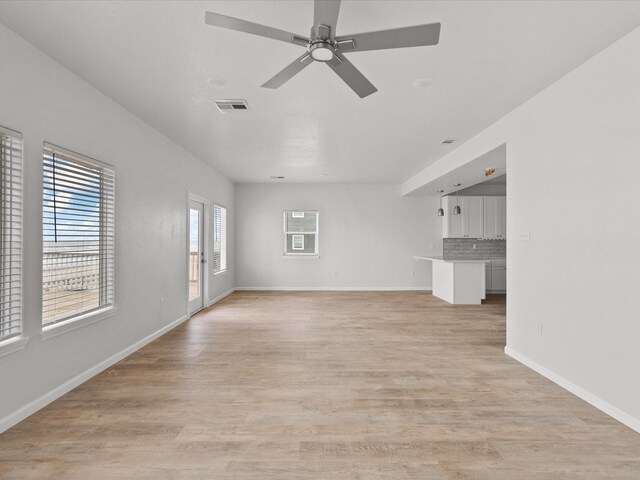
point(205, 248)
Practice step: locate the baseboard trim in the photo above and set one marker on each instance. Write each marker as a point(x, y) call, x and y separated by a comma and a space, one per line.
point(41, 402)
point(220, 297)
point(580, 392)
point(337, 289)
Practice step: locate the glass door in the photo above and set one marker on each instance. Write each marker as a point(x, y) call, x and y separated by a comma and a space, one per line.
point(196, 256)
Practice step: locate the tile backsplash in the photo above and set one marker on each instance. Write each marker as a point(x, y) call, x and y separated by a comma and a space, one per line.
point(463, 248)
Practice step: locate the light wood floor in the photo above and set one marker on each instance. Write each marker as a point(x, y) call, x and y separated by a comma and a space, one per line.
point(323, 386)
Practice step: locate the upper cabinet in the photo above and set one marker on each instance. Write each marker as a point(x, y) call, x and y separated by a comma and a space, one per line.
point(451, 224)
point(472, 217)
point(480, 217)
point(495, 217)
point(470, 222)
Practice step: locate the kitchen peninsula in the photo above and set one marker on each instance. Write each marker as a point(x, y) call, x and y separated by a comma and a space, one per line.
point(458, 281)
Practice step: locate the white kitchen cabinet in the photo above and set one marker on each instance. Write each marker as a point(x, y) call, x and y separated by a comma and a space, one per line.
point(470, 222)
point(495, 217)
point(503, 217)
point(496, 276)
point(451, 224)
point(472, 217)
point(487, 277)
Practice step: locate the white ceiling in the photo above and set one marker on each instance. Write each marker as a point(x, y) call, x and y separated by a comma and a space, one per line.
point(155, 58)
point(469, 174)
point(501, 180)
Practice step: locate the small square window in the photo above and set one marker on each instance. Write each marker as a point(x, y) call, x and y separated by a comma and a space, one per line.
point(301, 233)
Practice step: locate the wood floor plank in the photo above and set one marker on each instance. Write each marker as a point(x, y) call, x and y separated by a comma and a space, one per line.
point(323, 385)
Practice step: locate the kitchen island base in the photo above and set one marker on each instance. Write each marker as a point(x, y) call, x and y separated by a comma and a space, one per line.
point(461, 282)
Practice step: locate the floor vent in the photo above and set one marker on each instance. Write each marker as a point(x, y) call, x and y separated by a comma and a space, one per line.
point(226, 106)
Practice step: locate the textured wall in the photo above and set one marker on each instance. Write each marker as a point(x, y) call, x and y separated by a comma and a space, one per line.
point(46, 102)
point(368, 235)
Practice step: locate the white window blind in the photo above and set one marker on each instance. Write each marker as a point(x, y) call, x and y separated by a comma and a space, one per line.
point(300, 233)
point(78, 235)
point(219, 239)
point(10, 233)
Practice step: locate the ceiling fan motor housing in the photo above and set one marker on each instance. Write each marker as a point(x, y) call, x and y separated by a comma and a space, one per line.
point(321, 47)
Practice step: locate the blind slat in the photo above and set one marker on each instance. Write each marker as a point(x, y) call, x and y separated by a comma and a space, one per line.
point(78, 233)
point(219, 238)
point(10, 234)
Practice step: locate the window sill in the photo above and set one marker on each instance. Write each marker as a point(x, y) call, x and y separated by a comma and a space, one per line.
point(50, 331)
point(310, 256)
point(221, 272)
point(13, 345)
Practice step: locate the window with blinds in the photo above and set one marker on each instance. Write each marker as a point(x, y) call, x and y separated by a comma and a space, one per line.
point(219, 239)
point(300, 233)
point(10, 234)
point(78, 235)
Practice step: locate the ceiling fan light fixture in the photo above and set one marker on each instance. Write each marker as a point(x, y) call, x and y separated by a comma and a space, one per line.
point(321, 51)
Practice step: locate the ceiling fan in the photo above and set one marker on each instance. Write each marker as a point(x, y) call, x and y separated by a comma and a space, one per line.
point(324, 46)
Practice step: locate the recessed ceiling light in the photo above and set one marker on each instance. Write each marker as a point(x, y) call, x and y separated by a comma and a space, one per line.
point(217, 81)
point(422, 83)
point(276, 177)
point(448, 141)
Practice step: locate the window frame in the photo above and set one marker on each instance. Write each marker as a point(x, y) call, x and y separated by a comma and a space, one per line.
point(19, 340)
point(223, 239)
point(316, 233)
point(86, 317)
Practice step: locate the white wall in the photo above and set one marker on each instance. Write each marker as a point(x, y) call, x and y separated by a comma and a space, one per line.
point(45, 102)
point(573, 161)
point(573, 165)
point(368, 235)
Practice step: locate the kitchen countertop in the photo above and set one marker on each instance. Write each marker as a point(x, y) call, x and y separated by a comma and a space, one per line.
point(440, 258)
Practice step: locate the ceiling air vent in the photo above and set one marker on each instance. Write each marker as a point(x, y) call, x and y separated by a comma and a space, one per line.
point(226, 106)
point(448, 141)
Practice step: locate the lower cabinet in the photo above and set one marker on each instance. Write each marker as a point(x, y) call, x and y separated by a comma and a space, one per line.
point(496, 276)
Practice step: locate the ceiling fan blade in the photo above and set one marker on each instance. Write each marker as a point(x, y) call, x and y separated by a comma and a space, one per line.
point(218, 20)
point(325, 12)
point(417, 36)
point(351, 76)
point(289, 71)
